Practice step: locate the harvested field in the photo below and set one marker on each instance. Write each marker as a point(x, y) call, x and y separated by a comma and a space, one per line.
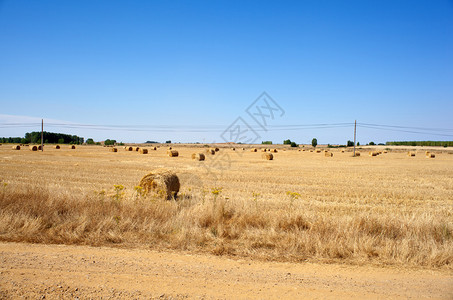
point(300, 207)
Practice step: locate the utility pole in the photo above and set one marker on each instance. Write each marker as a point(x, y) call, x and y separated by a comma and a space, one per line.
point(355, 129)
point(42, 135)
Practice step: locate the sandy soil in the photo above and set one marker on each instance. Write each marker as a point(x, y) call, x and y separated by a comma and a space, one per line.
point(71, 272)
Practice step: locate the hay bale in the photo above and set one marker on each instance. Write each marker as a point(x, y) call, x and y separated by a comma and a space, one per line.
point(357, 154)
point(430, 155)
point(137, 149)
point(33, 148)
point(71, 147)
point(311, 150)
point(143, 151)
point(328, 154)
point(342, 151)
point(57, 146)
point(216, 149)
point(172, 153)
point(161, 181)
point(210, 151)
point(410, 154)
point(40, 147)
point(318, 151)
point(234, 149)
point(129, 148)
point(427, 153)
point(113, 149)
point(263, 150)
point(267, 156)
point(169, 148)
point(385, 151)
point(374, 153)
point(303, 150)
point(198, 156)
point(253, 150)
point(243, 148)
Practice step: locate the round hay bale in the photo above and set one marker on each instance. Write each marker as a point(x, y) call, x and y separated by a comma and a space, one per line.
point(57, 146)
point(143, 151)
point(328, 154)
point(113, 149)
point(162, 182)
point(357, 154)
point(172, 153)
point(71, 147)
point(275, 150)
point(234, 149)
point(169, 148)
point(253, 150)
point(342, 151)
point(40, 147)
point(243, 148)
point(137, 148)
point(216, 149)
point(318, 151)
point(263, 150)
point(373, 153)
point(128, 148)
point(33, 148)
point(410, 153)
point(431, 155)
point(311, 150)
point(267, 156)
point(153, 148)
point(198, 156)
point(210, 151)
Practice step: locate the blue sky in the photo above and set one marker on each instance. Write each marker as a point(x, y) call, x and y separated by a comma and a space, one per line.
point(200, 64)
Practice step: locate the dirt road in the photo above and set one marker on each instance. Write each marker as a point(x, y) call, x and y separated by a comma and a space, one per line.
point(69, 272)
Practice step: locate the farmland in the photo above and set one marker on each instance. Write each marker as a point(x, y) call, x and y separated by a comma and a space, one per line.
point(302, 206)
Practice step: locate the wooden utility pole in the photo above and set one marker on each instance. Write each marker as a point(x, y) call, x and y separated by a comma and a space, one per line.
point(355, 129)
point(42, 135)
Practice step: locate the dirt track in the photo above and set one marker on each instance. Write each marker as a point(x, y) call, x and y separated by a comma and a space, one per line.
point(57, 271)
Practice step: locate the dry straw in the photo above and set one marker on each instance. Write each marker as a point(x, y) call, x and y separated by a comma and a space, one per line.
point(162, 182)
point(267, 156)
point(198, 156)
point(172, 153)
point(143, 151)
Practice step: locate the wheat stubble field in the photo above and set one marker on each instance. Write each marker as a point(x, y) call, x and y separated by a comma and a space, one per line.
point(391, 210)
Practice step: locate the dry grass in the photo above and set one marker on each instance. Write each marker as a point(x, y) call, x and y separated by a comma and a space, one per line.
point(392, 210)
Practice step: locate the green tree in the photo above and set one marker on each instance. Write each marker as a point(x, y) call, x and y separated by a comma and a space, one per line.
point(293, 144)
point(371, 144)
point(314, 142)
point(90, 141)
point(350, 144)
point(287, 142)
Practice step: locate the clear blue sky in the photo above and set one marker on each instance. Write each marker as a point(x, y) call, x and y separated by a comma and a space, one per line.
point(199, 64)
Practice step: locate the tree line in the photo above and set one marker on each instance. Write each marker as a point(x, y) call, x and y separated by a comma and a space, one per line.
point(48, 137)
point(422, 143)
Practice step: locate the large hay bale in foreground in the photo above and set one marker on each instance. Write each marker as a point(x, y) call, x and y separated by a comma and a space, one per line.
point(267, 156)
point(57, 146)
point(143, 151)
point(114, 149)
point(198, 156)
point(172, 153)
point(33, 148)
point(162, 182)
point(16, 147)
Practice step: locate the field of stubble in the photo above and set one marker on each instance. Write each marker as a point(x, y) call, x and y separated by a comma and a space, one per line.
point(302, 206)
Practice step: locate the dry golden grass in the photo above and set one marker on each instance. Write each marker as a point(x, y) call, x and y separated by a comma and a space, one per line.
point(394, 210)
